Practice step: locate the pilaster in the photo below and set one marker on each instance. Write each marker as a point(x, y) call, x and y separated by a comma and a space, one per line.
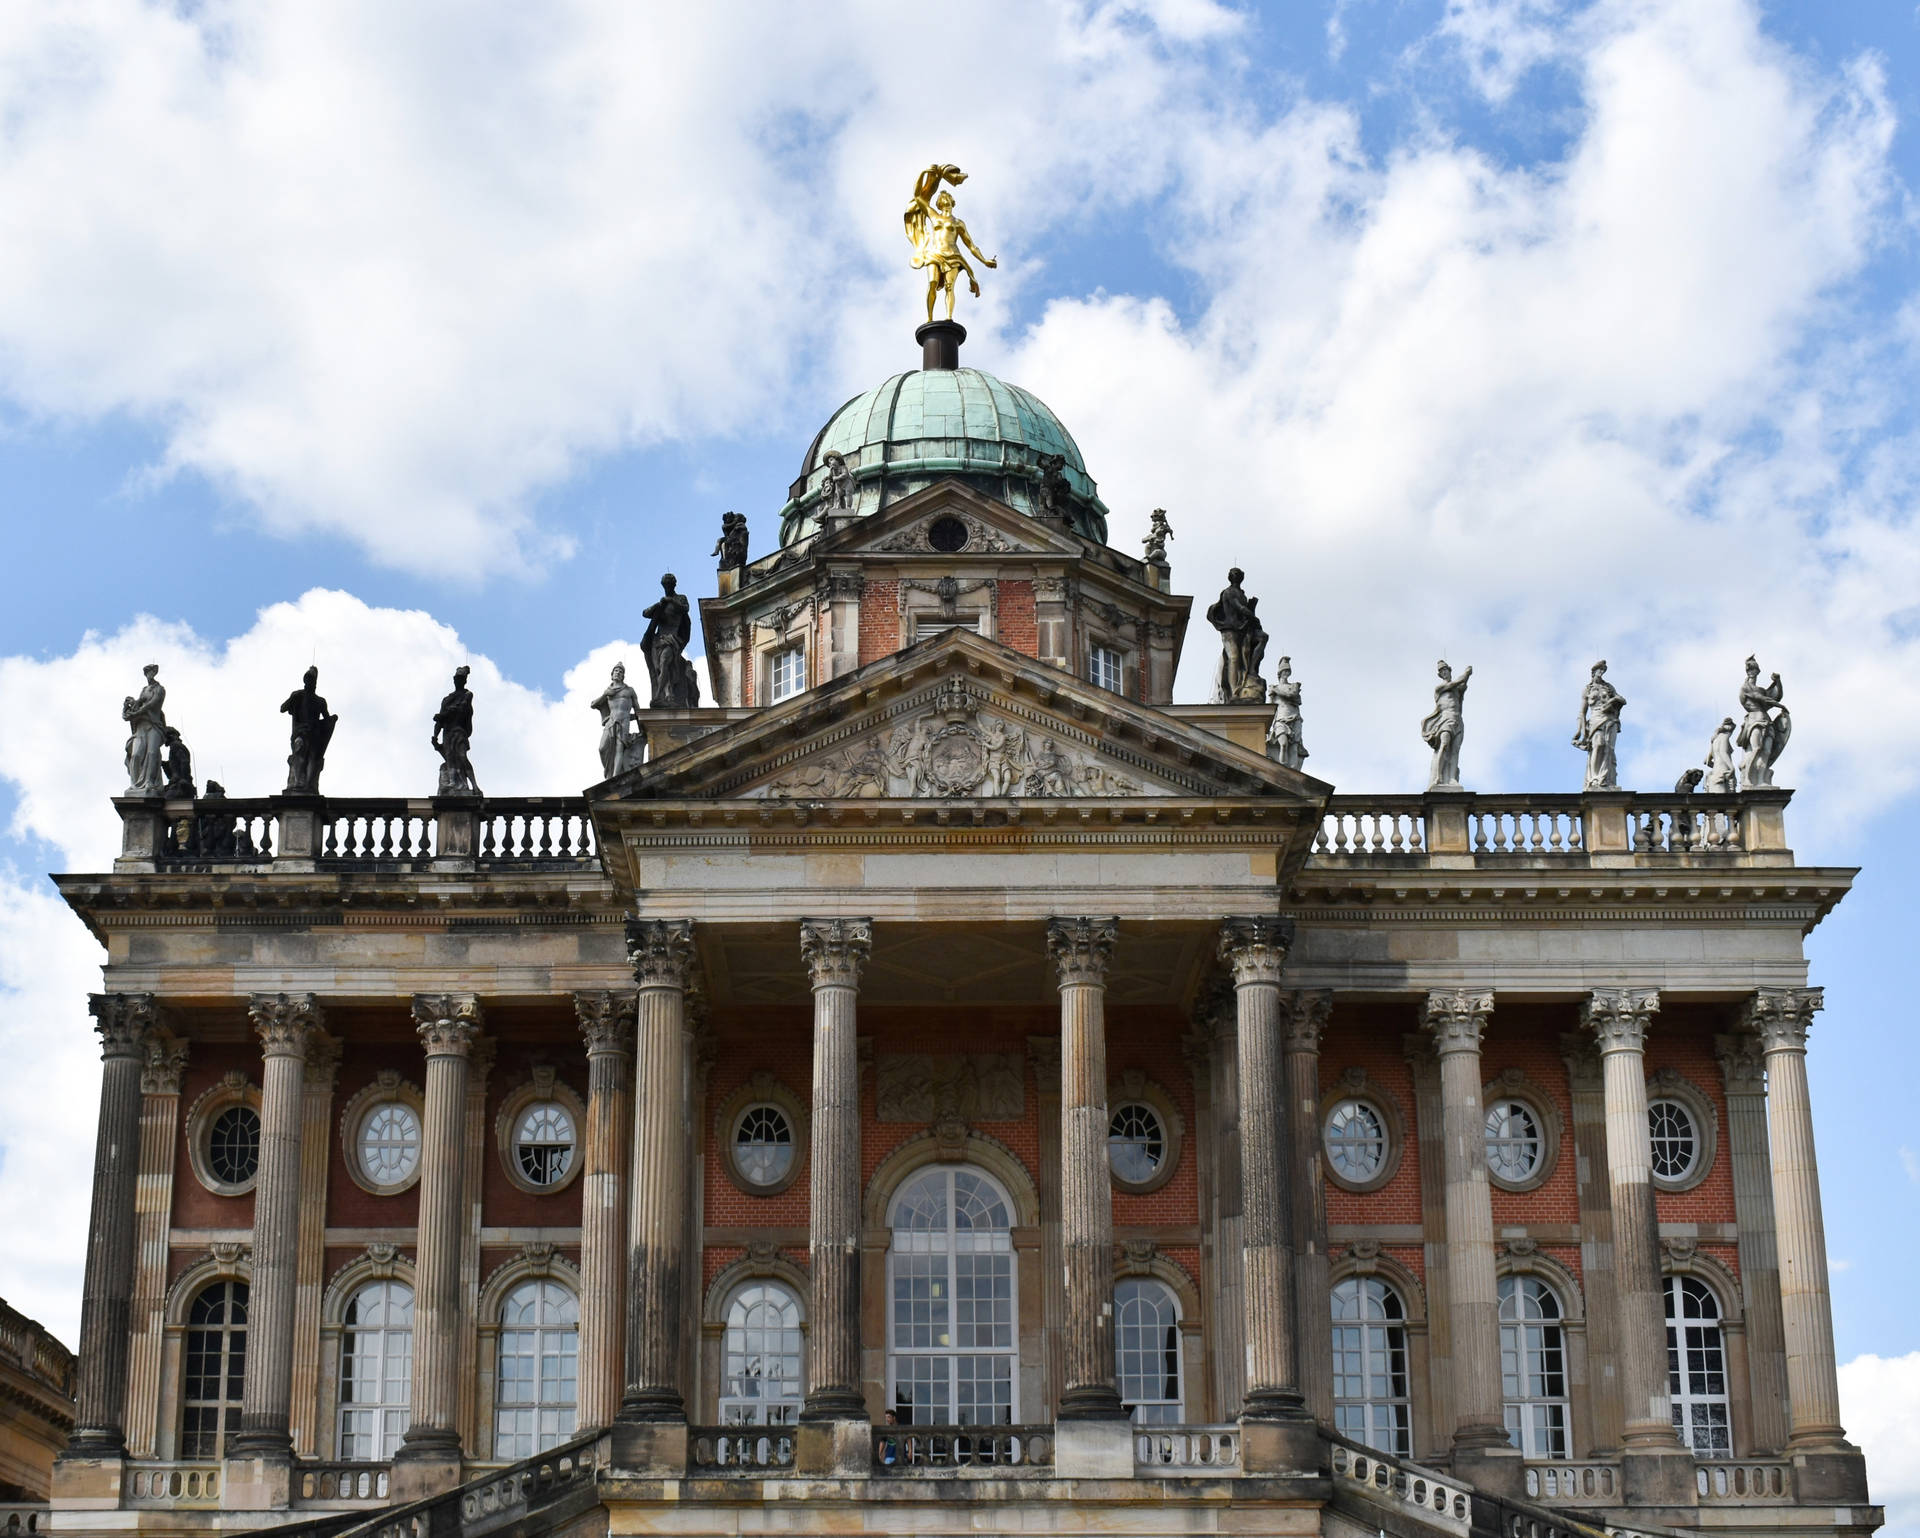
point(1303, 1020)
point(166, 1061)
point(607, 1022)
point(1743, 1069)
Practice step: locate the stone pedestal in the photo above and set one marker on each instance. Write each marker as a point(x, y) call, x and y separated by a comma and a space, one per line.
point(456, 832)
point(257, 1481)
point(1093, 1449)
point(1280, 1447)
point(655, 1449)
point(828, 1447)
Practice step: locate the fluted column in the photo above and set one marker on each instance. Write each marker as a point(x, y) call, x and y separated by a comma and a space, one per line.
point(1586, 1084)
point(1618, 1018)
point(1781, 1018)
point(316, 1150)
point(166, 1062)
point(1081, 949)
point(1743, 1067)
point(1457, 1018)
point(1256, 950)
point(607, 1022)
point(835, 951)
point(1303, 1017)
point(1044, 1053)
point(124, 1021)
point(284, 1023)
point(447, 1026)
point(657, 1284)
point(1218, 1016)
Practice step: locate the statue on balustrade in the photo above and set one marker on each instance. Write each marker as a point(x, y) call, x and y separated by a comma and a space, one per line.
point(1597, 732)
point(621, 742)
point(312, 731)
point(836, 492)
point(731, 548)
point(1243, 643)
point(1765, 729)
point(218, 833)
point(1050, 494)
point(147, 726)
point(1158, 534)
point(1284, 742)
point(179, 786)
point(1446, 728)
point(453, 737)
point(669, 628)
point(1720, 780)
point(1688, 782)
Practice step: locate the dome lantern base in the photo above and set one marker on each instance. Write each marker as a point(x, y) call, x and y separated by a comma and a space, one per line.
point(940, 344)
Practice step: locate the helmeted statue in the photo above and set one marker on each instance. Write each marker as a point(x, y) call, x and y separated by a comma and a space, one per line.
point(620, 740)
point(147, 735)
point(938, 233)
point(1765, 728)
point(1284, 741)
point(1445, 728)
point(1243, 643)
point(669, 628)
point(1597, 731)
point(453, 737)
point(312, 731)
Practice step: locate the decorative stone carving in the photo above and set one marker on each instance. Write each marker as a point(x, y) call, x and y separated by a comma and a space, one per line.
point(1303, 1018)
point(763, 1252)
point(453, 736)
point(836, 491)
point(979, 537)
point(835, 950)
point(323, 1060)
point(1582, 1057)
point(179, 768)
point(124, 1021)
point(1445, 728)
point(1781, 1017)
point(220, 833)
point(1364, 1256)
point(1082, 949)
point(607, 1019)
point(147, 733)
point(284, 1022)
point(310, 730)
point(1743, 1063)
point(1138, 1255)
point(1597, 731)
point(1680, 1252)
point(381, 1253)
point(1285, 744)
point(621, 742)
point(1688, 782)
point(972, 1087)
point(1256, 948)
point(538, 1253)
point(1051, 489)
point(953, 749)
point(1158, 533)
point(166, 1062)
point(669, 627)
point(1720, 779)
point(1243, 642)
point(1764, 729)
point(660, 951)
point(731, 547)
point(447, 1022)
point(228, 1253)
point(1619, 1017)
point(1521, 1248)
point(1457, 1018)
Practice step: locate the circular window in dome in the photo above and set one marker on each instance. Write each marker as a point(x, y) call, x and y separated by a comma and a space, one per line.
point(947, 535)
point(763, 1145)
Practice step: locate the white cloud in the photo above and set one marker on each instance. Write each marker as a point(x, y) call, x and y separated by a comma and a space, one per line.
point(1880, 1406)
point(1910, 1162)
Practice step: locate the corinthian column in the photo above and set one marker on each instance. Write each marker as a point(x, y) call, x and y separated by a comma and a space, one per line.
point(447, 1025)
point(607, 1023)
point(284, 1024)
point(1457, 1018)
point(124, 1021)
point(1781, 1018)
point(1081, 949)
point(1303, 1019)
point(835, 951)
point(657, 1283)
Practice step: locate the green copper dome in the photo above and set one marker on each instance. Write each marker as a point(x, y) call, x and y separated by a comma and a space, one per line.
point(918, 428)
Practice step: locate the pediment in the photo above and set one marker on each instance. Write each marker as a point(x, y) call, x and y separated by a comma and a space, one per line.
point(962, 717)
point(907, 528)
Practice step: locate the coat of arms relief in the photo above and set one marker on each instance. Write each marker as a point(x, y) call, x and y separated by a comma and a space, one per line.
point(956, 748)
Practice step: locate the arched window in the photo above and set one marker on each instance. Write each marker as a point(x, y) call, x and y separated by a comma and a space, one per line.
point(216, 1370)
point(1697, 1368)
point(376, 1372)
point(1533, 1366)
point(536, 1396)
point(950, 1325)
point(762, 1382)
point(1371, 1401)
point(1147, 1350)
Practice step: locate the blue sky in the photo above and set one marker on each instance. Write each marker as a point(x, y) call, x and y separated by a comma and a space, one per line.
point(1521, 331)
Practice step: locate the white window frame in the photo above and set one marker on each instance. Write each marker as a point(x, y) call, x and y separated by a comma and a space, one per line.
point(1376, 1344)
point(1694, 1361)
point(1533, 1360)
point(1096, 652)
point(525, 1427)
point(910, 1243)
point(746, 1343)
point(1331, 1144)
point(235, 1297)
point(795, 653)
point(1542, 1144)
point(1133, 1296)
point(386, 1348)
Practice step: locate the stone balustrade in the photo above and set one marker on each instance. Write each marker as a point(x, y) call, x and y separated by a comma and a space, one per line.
point(28, 1346)
point(1578, 1484)
point(1767, 1483)
point(739, 1449)
point(341, 1484)
point(19, 1518)
point(1186, 1450)
point(961, 1449)
point(182, 1486)
point(1435, 1498)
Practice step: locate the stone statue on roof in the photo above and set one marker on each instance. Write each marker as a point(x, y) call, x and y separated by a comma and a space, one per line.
point(453, 736)
point(147, 735)
point(1243, 643)
point(669, 629)
point(311, 731)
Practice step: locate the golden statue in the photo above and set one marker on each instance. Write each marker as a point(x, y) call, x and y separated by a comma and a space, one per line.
point(938, 233)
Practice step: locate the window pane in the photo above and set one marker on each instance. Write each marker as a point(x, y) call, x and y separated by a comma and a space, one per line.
point(951, 1329)
point(1514, 1144)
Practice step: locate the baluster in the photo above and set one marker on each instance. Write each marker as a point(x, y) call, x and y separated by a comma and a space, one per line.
point(486, 836)
point(1399, 843)
point(1479, 832)
point(406, 836)
point(526, 836)
point(386, 837)
point(546, 835)
point(265, 843)
point(1340, 844)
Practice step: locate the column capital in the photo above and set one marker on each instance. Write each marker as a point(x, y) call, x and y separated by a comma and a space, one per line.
point(284, 1022)
point(166, 1062)
point(1256, 948)
point(661, 952)
point(1743, 1062)
point(1303, 1018)
point(447, 1022)
point(1082, 949)
point(1581, 1053)
point(323, 1061)
point(124, 1021)
point(1781, 1017)
point(1619, 1017)
point(835, 950)
point(607, 1020)
point(1456, 1018)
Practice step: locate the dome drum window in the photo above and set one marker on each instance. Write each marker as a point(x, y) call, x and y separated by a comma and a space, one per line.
point(381, 1132)
point(1361, 1134)
point(1143, 1134)
point(538, 1130)
point(223, 1136)
point(1522, 1132)
point(761, 1130)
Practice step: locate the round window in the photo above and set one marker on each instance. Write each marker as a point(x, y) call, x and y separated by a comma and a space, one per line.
point(390, 1143)
point(1356, 1141)
point(1675, 1142)
point(947, 535)
point(763, 1145)
point(1514, 1144)
point(233, 1145)
point(543, 1143)
point(1136, 1143)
